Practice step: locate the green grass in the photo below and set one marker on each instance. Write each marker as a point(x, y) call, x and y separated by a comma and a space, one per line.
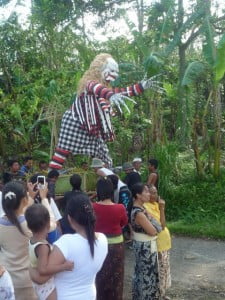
point(210, 229)
point(196, 207)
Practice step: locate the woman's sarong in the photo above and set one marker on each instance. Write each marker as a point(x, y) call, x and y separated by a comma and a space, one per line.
point(109, 280)
point(145, 285)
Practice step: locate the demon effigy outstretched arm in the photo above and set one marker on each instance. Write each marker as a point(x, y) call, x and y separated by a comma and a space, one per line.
point(116, 96)
point(123, 94)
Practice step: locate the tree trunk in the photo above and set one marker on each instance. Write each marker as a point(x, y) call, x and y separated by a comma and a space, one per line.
point(182, 109)
point(198, 162)
point(217, 131)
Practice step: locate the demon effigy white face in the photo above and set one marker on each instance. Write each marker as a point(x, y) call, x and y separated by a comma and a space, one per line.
point(110, 70)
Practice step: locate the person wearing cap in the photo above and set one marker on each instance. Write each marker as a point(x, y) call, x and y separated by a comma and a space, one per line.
point(100, 169)
point(137, 161)
point(132, 177)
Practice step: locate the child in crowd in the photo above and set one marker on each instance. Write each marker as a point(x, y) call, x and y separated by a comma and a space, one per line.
point(156, 207)
point(6, 285)
point(38, 221)
point(75, 181)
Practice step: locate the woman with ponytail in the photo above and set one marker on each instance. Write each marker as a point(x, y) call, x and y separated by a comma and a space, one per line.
point(14, 239)
point(86, 248)
point(111, 218)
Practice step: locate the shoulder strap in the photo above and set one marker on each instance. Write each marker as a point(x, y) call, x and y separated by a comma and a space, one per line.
point(39, 243)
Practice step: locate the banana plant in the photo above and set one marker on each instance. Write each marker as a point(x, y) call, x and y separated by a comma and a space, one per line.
point(214, 55)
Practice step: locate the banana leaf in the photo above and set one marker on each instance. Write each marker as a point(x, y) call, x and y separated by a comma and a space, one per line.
point(194, 70)
point(209, 49)
point(220, 60)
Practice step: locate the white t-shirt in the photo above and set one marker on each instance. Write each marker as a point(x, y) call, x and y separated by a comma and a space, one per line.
point(2, 213)
point(79, 284)
point(106, 171)
point(55, 210)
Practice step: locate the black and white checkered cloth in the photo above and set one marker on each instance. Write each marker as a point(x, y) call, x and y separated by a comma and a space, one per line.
point(78, 141)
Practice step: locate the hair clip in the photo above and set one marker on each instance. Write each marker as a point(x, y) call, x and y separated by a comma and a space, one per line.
point(10, 195)
point(87, 208)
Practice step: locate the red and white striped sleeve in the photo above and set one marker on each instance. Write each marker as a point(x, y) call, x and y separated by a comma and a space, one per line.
point(133, 90)
point(99, 90)
point(103, 92)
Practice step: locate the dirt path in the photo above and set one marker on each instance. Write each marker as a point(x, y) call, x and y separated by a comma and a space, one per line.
point(197, 267)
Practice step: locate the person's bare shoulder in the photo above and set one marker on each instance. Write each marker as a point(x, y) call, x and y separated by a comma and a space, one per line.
point(152, 178)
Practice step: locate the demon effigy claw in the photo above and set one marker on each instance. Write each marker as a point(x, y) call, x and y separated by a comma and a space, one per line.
point(129, 99)
point(119, 99)
point(151, 83)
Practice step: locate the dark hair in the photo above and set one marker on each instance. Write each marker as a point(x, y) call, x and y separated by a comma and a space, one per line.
point(27, 158)
point(6, 177)
point(37, 217)
point(41, 162)
point(75, 181)
point(33, 178)
point(137, 188)
point(12, 194)
point(53, 173)
point(114, 180)
point(104, 189)
point(11, 162)
point(133, 178)
point(80, 209)
point(153, 162)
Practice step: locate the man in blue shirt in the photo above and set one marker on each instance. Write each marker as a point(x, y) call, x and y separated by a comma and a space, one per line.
point(27, 166)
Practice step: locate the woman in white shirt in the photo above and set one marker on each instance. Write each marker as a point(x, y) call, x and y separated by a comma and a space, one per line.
point(85, 248)
point(1, 209)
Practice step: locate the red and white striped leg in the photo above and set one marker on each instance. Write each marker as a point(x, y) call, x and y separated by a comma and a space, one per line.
point(58, 158)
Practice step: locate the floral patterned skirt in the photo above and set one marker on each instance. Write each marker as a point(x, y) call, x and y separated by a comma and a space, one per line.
point(164, 272)
point(109, 280)
point(146, 277)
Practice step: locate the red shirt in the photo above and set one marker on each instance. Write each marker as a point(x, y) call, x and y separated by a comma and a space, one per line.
point(110, 218)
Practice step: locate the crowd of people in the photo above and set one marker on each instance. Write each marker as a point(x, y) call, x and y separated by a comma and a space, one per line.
point(75, 247)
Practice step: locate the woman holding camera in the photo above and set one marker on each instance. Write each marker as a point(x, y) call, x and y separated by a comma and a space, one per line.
point(41, 195)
